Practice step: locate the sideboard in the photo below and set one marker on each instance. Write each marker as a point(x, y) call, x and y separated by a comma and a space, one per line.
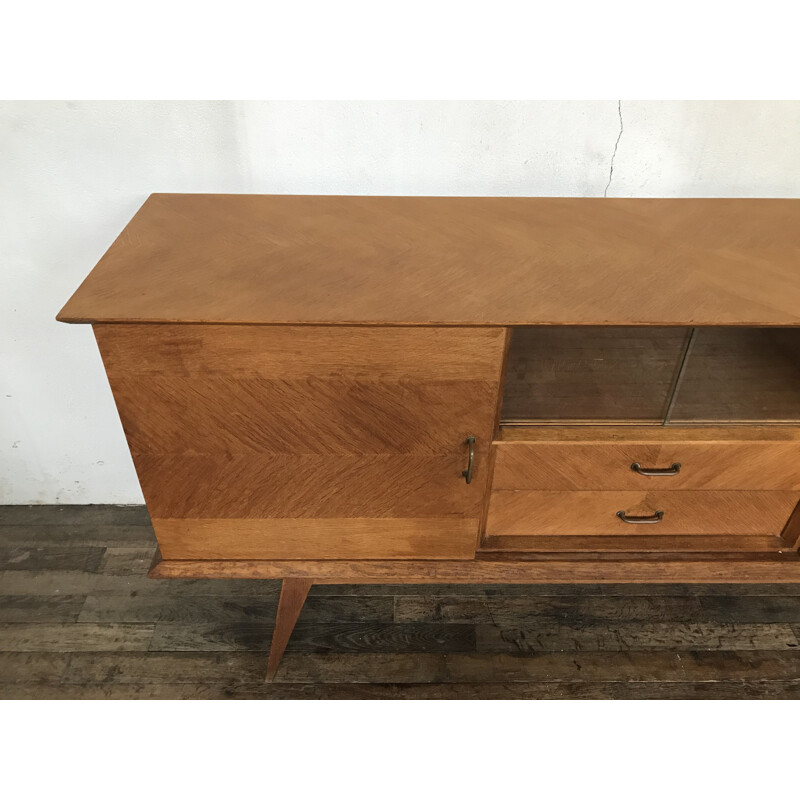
point(487, 390)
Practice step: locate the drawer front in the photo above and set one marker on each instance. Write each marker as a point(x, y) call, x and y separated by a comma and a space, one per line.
point(557, 466)
point(532, 513)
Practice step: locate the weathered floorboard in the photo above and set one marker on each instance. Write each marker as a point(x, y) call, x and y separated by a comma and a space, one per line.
point(543, 690)
point(80, 619)
point(353, 637)
point(40, 608)
point(231, 610)
point(22, 557)
point(108, 535)
point(66, 638)
point(501, 610)
point(127, 560)
point(46, 582)
point(74, 515)
point(32, 668)
point(627, 636)
point(654, 666)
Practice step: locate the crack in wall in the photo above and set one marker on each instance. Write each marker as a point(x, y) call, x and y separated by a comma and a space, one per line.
point(616, 145)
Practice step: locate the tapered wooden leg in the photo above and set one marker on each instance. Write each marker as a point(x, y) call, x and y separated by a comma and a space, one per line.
point(293, 594)
point(791, 531)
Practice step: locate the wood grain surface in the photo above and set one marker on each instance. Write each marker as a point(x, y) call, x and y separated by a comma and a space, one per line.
point(530, 513)
point(263, 442)
point(657, 568)
point(606, 466)
point(280, 439)
point(522, 546)
point(326, 537)
point(649, 434)
point(78, 632)
point(449, 261)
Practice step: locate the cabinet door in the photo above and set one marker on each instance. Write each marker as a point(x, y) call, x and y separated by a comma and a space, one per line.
point(261, 442)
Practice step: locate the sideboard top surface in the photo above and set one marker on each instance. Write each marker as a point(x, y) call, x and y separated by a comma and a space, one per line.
point(270, 259)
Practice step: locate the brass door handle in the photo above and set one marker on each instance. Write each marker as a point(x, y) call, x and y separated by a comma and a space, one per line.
point(649, 520)
point(467, 473)
point(673, 470)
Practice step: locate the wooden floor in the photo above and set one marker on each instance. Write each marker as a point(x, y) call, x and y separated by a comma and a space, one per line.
point(79, 619)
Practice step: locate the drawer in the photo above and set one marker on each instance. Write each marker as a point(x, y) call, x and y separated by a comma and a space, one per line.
point(606, 466)
point(532, 513)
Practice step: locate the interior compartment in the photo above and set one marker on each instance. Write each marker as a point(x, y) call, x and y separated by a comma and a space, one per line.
point(591, 375)
point(652, 376)
point(740, 375)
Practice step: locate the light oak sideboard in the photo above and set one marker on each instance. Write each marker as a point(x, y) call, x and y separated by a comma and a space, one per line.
point(420, 389)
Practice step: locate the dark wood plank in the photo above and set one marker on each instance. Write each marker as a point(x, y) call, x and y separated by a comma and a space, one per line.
point(649, 666)
point(45, 582)
point(220, 609)
point(722, 690)
point(104, 691)
point(22, 557)
point(586, 610)
point(32, 668)
point(93, 515)
point(32, 608)
point(749, 609)
point(207, 638)
point(222, 668)
point(630, 636)
point(127, 560)
point(354, 637)
point(512, 611)
point(108, 535)
point(26, 638)
point(554, 589)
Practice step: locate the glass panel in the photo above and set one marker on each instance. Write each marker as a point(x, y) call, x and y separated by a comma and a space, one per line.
point(740, 375)
point(592, 374)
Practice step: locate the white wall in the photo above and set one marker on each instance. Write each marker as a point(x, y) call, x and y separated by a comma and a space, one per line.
point(72, 174)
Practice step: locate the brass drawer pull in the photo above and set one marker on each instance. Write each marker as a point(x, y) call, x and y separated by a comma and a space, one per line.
point(651, 520)
point(467, 473)
point(673, 470)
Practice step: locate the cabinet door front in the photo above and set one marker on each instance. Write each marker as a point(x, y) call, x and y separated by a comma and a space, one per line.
point(307, 442)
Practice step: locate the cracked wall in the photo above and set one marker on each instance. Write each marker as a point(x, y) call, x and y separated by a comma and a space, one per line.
point(72, 174)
